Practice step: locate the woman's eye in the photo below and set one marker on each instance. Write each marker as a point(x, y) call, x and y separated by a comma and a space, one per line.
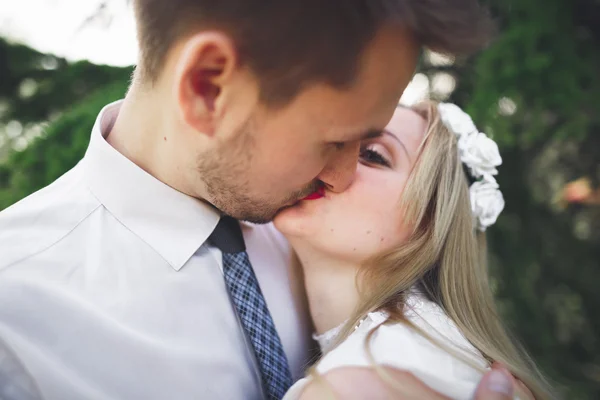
point(371, 156)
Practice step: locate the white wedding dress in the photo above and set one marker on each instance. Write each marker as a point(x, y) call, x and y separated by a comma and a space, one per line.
point(400, 346)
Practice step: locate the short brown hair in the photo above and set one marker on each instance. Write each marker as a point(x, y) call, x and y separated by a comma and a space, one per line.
point(289, 44)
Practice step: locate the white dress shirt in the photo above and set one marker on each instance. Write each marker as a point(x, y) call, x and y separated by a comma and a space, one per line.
point(109, 291)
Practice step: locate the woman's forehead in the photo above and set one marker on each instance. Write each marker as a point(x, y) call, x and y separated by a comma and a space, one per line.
point(409, 126)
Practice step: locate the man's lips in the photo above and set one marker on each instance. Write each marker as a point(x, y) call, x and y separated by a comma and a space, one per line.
point(317, 194)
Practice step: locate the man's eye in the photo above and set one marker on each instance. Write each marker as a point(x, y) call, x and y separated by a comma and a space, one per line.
point(371, 156)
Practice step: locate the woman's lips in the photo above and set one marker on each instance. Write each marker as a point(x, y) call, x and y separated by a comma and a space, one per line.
point(317, 194)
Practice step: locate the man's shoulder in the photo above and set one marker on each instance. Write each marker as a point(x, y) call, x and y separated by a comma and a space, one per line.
point(45, 217)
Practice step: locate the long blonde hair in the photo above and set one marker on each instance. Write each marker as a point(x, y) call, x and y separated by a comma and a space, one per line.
point(444, 256)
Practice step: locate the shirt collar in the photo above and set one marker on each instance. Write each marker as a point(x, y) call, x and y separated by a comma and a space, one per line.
point(174, 224)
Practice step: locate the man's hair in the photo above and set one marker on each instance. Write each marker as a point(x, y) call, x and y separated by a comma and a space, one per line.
point(289, 44)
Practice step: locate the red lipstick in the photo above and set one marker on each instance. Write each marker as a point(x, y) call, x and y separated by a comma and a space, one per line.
point(317, 194)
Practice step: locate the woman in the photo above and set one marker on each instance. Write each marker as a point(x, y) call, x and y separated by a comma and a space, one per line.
point(395, 265)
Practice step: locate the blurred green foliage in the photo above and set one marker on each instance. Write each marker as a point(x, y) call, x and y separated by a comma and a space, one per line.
point(35, 88)
point(536, 90)
point(62, 146)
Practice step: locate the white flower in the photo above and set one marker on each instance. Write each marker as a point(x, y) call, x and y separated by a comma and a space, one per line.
point(480, 154)
point(456, 120)
point(486, 202)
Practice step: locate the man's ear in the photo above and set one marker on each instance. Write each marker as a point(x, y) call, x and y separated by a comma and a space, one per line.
point(206, 63)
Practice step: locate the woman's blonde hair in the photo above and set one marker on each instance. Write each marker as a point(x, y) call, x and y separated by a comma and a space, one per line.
point(445, 257)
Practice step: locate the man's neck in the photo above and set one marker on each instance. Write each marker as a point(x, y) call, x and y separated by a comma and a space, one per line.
point(330, 287)
point(141, 133)
point(134, 133)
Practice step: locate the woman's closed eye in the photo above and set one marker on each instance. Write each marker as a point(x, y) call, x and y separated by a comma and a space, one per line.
point(369, 155)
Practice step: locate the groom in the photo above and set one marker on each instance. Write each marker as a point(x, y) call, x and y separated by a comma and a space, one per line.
point(115, 280)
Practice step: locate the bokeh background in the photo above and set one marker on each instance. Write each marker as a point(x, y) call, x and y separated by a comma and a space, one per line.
point(536, 90)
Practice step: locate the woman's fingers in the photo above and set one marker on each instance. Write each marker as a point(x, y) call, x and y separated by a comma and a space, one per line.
point(497, 384)
point(523, 391)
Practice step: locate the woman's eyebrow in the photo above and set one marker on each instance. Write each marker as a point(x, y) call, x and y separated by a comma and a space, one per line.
point(388, 133)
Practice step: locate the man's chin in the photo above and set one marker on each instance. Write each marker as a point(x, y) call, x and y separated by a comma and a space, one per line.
point(267, 216)
point(260, 211)
point(252, 216)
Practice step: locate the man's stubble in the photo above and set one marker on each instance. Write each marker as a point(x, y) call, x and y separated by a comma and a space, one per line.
point(226, 174)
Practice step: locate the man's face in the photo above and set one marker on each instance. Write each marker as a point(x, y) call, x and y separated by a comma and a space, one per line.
point(276, 157)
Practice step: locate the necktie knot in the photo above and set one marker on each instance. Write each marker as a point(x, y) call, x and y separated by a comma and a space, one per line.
point(227, 236)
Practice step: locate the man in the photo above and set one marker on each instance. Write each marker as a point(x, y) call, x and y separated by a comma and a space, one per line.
point(114, 282)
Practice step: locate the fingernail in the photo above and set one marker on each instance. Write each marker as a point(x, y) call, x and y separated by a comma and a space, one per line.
point(498, 382)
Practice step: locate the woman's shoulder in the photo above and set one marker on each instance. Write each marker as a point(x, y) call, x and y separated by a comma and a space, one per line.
point(428, 344)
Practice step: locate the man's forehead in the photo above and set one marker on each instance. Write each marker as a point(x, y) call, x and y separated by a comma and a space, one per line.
point(388, 68)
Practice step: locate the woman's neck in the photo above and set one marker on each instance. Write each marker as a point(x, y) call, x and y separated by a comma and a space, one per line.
point(330, 288)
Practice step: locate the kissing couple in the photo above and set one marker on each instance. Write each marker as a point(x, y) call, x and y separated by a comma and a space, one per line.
point(151, 269)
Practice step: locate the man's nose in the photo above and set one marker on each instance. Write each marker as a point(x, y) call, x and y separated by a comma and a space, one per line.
point(339, 173)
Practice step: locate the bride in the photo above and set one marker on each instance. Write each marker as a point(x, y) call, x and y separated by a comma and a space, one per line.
point(394, 266)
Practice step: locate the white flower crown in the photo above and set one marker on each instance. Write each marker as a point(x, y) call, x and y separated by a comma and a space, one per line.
point(480, 155)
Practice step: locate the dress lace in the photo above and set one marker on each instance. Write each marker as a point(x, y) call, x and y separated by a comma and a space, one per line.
point(327, 339)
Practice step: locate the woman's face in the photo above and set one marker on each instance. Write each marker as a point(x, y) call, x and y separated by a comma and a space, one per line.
point(366, 219)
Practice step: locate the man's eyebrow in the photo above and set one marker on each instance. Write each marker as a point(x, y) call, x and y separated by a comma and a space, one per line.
point(371, 134)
